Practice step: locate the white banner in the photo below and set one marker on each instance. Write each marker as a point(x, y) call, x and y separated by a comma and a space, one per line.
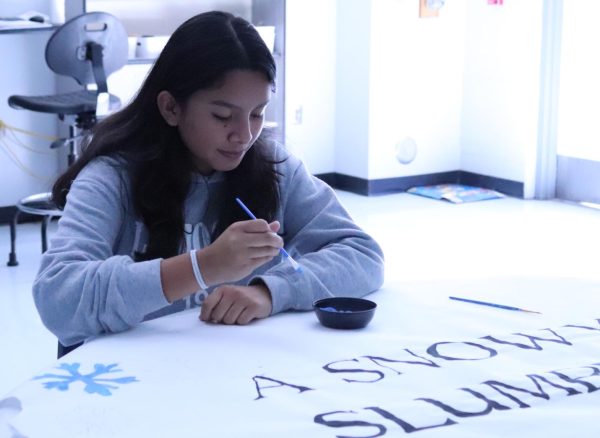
point(424, 367)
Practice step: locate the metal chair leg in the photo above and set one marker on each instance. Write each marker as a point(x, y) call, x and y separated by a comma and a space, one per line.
point(45, 222)
point(62, 350)
point(12, 256)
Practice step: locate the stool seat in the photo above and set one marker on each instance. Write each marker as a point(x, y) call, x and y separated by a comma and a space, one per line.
point(77, 102)
point(39, 204)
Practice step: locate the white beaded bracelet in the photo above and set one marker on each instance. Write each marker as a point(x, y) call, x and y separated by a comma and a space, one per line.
point(196, 269)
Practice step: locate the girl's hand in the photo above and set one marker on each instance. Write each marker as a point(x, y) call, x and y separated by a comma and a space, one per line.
point(231, 304)
point(239, 250)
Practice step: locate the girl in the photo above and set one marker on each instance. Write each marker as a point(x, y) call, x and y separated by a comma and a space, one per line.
point(150, 215)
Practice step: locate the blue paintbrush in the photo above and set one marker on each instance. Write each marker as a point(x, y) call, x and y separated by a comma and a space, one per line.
point(500, 306)
point(294, 263)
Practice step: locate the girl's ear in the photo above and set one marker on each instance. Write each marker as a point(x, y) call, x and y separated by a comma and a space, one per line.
point(168, 107)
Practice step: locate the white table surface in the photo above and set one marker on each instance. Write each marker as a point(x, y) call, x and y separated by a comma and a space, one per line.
point(287, 376)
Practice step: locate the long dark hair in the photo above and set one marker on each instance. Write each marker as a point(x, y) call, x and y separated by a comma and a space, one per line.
point(197, 56)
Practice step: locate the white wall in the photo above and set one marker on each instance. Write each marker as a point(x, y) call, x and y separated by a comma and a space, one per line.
point(579, 111)
point(464, 86)
point(310, 79)
point(394, 76)
point(415, 87)
point(501, 88)
point(352, 59)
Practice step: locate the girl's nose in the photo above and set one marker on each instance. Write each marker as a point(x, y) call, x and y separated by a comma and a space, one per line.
point(241, 132)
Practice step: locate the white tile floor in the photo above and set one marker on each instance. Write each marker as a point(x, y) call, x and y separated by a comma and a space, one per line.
point(424, 240)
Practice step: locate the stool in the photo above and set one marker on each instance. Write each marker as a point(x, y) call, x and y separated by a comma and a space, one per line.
point(87, 48)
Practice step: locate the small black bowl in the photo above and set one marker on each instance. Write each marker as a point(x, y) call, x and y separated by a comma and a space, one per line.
point(344, 313)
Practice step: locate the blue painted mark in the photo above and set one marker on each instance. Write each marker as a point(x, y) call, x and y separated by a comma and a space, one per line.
point(94, 383)
point(333, 309)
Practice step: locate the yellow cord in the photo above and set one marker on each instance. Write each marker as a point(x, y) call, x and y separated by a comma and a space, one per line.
point(17, 141)
point(4, 125)
point(10, 130)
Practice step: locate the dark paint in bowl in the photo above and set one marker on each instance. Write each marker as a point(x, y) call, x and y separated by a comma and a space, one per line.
point(344, 313)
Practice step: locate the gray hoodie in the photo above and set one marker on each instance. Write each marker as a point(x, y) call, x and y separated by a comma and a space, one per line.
point(88, 282)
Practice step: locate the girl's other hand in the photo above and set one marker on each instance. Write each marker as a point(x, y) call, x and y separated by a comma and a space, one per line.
point(239, 250)
point(231, 304)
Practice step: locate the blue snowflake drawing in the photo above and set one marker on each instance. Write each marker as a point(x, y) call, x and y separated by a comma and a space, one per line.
point(93, 383)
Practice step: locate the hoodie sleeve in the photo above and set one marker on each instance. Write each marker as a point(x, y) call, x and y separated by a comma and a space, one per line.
point(337, 257)
point(82, 288)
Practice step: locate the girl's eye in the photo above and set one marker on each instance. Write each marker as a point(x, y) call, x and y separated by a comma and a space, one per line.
point(258, 116)
point(221, 118)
